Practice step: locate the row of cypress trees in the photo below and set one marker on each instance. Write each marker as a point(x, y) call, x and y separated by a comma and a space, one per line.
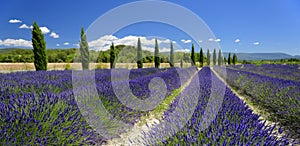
point(41, 60)
point(219, 61)
point(140, 55)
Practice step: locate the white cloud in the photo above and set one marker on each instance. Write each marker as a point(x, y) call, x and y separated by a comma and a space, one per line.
point(237, 40)
point(183, 50)
point(214, 40)
point(186, 41)
point(24, 26)
point(77, 45)
point(66, 43)
point(54, 35)
point(57, 45)
point(15, 21)
point(200, 41)
point(256, 43)
point(15, 43)
point(217, 40)
point(44, 30)
point(211, 39)
point(164, 49)
point(104, 42)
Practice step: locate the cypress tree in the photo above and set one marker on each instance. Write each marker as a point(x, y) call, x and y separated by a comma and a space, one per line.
point(156, 55)
point(225, 60)
point(193, 55)
point(39, 48)
point(139, 54)
point(234, 60)
point(181, 63)
point(229, 59)
point(84, 51)
point(214, 57)
point(201, 60)
point(171, 55)
point(112, 56)
point(208, 57)
point(220, 58)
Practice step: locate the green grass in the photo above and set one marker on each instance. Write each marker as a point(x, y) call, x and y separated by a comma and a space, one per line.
point(163, 106)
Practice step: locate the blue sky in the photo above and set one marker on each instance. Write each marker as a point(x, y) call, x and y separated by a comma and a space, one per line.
point(239, 26)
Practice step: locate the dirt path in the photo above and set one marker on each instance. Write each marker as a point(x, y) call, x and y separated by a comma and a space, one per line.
point(263, 115)
point(134, 136)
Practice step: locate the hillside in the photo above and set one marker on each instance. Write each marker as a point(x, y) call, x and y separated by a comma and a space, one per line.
point(12, 55)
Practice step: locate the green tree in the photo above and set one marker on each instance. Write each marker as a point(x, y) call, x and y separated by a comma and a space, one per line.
point(201, 60)
point(234, 60)
point(112, 56)
point(193, 55)
point(181, 63)
point(225, 60)
point(139, 54)
point(214, 57)
point(220, 58)
point(84, 51)
point(171, 55)
point(39, 48)
point(208, 57)
point(229, 59)
point(156, 55)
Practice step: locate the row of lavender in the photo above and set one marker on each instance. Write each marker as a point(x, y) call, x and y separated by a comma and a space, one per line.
point(234, 123)
point(38, 108)
point(279, 97)
point(287, 72)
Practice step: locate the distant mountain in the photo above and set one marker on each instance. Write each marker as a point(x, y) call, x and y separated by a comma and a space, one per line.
point(7, 50)
point(263, 56)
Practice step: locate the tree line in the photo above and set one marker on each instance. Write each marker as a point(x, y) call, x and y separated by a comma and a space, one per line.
point(41, 58)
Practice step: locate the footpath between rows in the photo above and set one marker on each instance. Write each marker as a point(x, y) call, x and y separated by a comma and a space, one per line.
point(135, 135)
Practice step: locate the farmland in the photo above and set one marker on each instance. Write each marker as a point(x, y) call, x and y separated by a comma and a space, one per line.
point(270, 90)
point(39, 108)
point(150, 73)
point(14, 67)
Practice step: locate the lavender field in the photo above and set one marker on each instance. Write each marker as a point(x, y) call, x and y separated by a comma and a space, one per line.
point(38, 108)
point(150, 73)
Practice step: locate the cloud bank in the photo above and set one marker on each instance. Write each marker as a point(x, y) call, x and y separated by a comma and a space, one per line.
point(104, 42)
point(15, 43)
